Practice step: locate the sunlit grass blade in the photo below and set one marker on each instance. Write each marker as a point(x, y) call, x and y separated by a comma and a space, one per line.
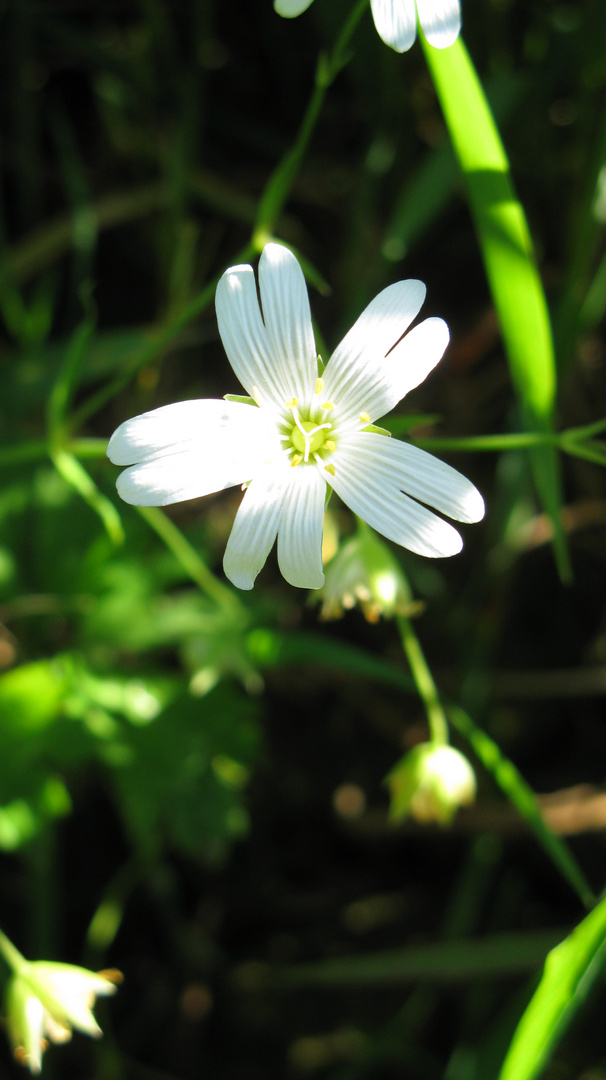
point(570, 970)
point(521, 795)
point(77, 477)
point(426, 193)
point(508, 256)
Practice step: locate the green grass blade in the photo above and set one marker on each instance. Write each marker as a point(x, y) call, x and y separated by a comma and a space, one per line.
point(510, 265)
point(438, 961)
point(521, 795)
point(77, 477)
point(569, 972)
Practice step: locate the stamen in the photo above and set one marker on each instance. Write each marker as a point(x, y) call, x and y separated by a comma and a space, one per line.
point(319, 386)
point(296, 460)
point(365, 418)
point(292, 404)
point(328, 405)
point(330, 444)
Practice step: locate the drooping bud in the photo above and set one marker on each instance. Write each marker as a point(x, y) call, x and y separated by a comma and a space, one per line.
point(45, 1000)
point(430, 783)
point(365, 572)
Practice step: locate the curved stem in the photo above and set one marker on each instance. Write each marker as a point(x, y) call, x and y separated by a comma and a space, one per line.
point(11, 954)
point(428, 692)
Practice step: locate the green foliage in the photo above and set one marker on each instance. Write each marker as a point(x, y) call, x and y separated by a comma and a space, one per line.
point(180, 778)
point(570, 971)
point(198, 775)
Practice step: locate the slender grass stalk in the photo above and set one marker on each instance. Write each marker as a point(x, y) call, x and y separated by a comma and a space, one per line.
point(11, 954)
point(424, 682)
point(189, 559)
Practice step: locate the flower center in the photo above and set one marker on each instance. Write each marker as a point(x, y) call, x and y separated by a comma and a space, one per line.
point(307, 437)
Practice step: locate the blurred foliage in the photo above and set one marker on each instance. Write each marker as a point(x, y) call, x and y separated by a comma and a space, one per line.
point(192, 782)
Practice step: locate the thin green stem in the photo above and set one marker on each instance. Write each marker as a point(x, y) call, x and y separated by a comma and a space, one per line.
point(152, 349)
point(38, 450)
point(481, 443)
point(11, 954)
point(428, 692)
point(189, 558)
point(280, 183)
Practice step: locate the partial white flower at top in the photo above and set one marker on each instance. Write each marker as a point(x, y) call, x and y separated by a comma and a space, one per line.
point(300, 434)
point(396, 20)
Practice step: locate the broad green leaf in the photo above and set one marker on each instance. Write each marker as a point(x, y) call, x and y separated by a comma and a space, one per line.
point(570, 969)
point(180, 777)
point(510, 265)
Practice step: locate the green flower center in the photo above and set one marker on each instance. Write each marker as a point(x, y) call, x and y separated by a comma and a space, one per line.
point(308, 440)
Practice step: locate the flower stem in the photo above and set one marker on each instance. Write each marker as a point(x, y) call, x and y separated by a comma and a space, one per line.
point(151, 349)
point(280, 183)
point(12, 955)
point(189, 558)
point(436, 717)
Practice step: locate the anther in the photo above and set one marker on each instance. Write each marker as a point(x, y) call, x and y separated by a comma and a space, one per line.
point(292, 404)
point(330, 469)
point(257, 396)
point(319, 386)
point(330, 444)
point(328, 405)
point(365, 418)
point(295, 460)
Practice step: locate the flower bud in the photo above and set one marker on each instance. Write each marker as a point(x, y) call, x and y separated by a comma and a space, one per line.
point(430, 783)
point(365, 572)
point(45, 1000)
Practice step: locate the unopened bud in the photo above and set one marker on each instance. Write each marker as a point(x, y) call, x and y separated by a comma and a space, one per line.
point(430, 783)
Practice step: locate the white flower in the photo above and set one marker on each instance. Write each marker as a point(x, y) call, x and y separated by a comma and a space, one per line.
point(396, 20)
point(300, 433)
point(45, 1000)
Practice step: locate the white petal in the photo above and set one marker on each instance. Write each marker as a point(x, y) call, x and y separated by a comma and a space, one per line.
point(380, 503)
point(425, 477)
point(287, 317)
point(245, 337)
point(173, 428)
point(396, 22)
point(368, 372)
point(291, 8)
point(254, 529)
point(190, 449)
point(300, 531)
point(177, 478)
point(440, 21)
point(412, 360)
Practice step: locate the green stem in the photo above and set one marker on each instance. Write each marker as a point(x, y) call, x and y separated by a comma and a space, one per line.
point(152, 349)
point(436, 717)
point(12, 955)
point(189, 558)
point(280, 183)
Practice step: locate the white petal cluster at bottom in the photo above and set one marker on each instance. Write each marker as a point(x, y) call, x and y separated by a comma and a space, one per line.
point(396, 20)
point(302, 434)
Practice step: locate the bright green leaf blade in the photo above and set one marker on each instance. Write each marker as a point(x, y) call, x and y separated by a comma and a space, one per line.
point(569, 972)
point(502, 228)
point(77, 477)
point(511, 269)
point(523, 798)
